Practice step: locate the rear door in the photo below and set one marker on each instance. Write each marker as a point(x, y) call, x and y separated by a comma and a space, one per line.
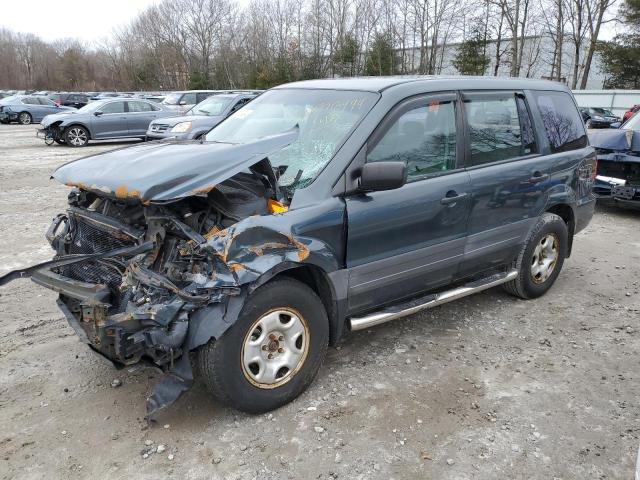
point(112, 122)
point(405, 241)
point(140, 115)
point(509, 177)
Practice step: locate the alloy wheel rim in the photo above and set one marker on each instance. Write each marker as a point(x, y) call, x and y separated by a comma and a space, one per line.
point(25, 119)
point(545, 258)
point(275, 348)
point(77, 136)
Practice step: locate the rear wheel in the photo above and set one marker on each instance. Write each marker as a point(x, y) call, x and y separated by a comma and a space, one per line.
point(25, 118)
point(76, 136)
point(541, 258)
point(273, 351)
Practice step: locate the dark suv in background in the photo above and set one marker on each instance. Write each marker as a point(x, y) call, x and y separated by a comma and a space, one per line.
point(597, 117)
point(322, 206)
point(77, 100)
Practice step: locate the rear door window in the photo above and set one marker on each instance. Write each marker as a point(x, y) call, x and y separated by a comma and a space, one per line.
point(562, 122)
point(189, 98)
point(424, 137)
point(140, 107)
point(499, 127)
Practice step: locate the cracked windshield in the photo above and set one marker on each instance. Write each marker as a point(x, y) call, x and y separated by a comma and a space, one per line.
point(325, 118)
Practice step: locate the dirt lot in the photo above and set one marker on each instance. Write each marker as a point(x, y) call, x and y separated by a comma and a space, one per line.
point(488, 387)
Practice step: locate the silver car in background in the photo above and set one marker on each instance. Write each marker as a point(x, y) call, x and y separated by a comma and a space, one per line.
point(200, 119)
point(103, 119)
point(180, 102)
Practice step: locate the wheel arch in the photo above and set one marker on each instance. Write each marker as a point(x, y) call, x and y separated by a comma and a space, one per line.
point(320, 282)
point(565, 211)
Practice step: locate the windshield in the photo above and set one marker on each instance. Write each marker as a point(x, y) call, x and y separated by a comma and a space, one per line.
point(172, 99)
point(325, 119)
point(633, 123)
point(602, 111)
point(211, 106)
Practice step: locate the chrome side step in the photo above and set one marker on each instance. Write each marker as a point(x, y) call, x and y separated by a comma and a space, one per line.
point(430, 301)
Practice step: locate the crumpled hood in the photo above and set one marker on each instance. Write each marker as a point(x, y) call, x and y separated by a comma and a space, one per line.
point(166, 171)
point(616, 139)
point(57, 117)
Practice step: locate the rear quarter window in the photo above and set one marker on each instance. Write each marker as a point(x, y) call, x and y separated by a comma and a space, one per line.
point(563, 123)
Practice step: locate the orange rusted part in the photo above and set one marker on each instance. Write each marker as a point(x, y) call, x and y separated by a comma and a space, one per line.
point(214, 231)
point(205, 189)
point(303, 251)
point(123, 192)
point(236, 267)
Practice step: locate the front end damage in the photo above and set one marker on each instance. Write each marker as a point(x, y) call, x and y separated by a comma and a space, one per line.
point(618, 177)
point(146, 280)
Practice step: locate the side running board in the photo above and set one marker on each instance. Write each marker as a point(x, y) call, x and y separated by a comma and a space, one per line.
point(430, 301)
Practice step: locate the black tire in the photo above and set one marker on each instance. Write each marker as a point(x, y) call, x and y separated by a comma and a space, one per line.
point(524, 285)
point(25, 118)
point(60, 141)
point(76, 136)
point(220, 362)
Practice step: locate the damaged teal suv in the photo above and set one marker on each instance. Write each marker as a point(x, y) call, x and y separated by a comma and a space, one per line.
point(321, 206)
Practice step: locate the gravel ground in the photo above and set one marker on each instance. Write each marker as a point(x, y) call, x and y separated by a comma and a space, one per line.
point(488, 387)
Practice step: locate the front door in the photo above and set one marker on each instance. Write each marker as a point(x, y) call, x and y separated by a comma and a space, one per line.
point(405, 241)
point(112, 122)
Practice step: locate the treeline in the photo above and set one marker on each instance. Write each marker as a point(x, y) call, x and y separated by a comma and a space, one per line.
point(217, 44)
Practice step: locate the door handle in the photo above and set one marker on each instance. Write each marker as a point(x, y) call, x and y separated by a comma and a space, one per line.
point(452, 197)
point(539, 177)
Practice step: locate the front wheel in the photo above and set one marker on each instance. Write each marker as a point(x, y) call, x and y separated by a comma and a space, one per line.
point(76, 136)
point(541, 258)
point(273, 351)
point(25, 118)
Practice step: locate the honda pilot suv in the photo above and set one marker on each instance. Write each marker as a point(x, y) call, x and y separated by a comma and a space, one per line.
point(321, 206)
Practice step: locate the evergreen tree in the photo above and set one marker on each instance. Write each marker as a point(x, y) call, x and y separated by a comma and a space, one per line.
point(380, 60)
point(621, 56)
point(471, 57)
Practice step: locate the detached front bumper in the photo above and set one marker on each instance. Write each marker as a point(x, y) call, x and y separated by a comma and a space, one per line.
point(123, 337)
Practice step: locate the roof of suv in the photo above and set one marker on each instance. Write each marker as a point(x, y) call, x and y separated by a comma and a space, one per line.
point(378, 84)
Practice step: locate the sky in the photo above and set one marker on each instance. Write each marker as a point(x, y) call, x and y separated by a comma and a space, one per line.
point(87, 20)
point(92, 20)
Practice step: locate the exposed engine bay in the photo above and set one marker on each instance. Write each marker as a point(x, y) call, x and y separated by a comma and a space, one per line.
point(141, 280)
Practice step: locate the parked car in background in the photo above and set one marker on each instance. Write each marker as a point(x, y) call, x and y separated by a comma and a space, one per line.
point(618, 151)
point(77, 100)
point(5, 95)
point(322, 206)
point(181, 102)
point(630, 113)
point(26, 109)
point(103, 95)
point(200, 119)
point(596, 117)
point(103, 119)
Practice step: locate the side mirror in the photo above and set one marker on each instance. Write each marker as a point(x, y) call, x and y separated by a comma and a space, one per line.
point(97, 113)
point(378, 176)
point(616, 125)
point(182, 102)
